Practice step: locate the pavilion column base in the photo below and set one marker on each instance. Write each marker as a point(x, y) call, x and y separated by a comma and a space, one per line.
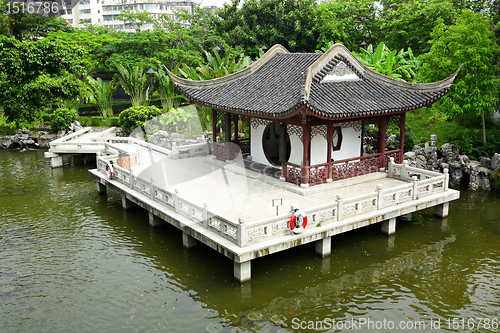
point(389, 226)
point(101, 189)
point(243, 271)
point(126, 203)
point(324, 247)
point(442, 209)
point(188, 241)
point(154, 221)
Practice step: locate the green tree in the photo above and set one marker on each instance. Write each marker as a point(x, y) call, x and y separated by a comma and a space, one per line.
point(137, 19)
point(25, 26)
point(93, 43)
point(291, 23)
point(33, 74)
point(406, 24)
point(174, 40)
point(469, 42)
point(347, 22)
point(134, 81)
point(102, 93)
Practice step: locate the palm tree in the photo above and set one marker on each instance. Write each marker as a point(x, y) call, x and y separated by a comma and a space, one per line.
point(401, 65)
point(169, 95)
point(102, 93)
point(134, 82)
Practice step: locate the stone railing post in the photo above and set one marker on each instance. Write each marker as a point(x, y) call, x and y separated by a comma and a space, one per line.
point(175, 151)
point(152, 191)
point(446, 179)
point(391, 167)
point(414, 180)
point(404, 173)
point(242, 232)
point(176, 200)
point(380, 200)
point(205, 215)
point(340, 206)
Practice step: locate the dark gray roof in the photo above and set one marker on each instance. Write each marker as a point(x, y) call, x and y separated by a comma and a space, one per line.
point(278, 83)
point(274, 89)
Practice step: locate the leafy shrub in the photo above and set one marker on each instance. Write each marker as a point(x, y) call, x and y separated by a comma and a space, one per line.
point(6, 128)
point(137, 116)
point(62, 118)
point(114, 121)
point(95, 121)
point(84, 121)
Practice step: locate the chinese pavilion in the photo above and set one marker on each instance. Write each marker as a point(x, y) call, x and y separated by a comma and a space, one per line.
point(318, 117)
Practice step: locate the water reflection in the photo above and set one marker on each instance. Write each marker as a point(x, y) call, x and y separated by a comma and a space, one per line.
point(74, 259)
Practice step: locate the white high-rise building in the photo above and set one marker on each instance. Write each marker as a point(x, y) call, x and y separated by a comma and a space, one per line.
point(106, 12)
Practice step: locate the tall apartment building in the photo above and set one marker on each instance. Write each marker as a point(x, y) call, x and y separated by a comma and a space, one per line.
point(106, 12)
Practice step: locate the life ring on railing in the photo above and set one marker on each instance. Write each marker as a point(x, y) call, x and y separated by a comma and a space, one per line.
point(298, 222)
point(109, 170)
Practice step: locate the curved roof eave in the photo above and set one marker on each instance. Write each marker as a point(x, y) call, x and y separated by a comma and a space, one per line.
point(231, 77)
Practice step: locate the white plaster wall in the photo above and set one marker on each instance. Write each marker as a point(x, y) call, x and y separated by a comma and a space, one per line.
point(257, 151)
point(351, 145)
point(296, 148)
point(319, 149)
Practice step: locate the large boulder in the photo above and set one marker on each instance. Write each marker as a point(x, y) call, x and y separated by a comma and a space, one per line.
point(410, 156)
point(6, 142)
point(486, 162)
point(44, 140)
point(472, 168)
point(432, 161)
point(463, 160)
point(449, 153)
point(495, 162)
point(418, 150)
point(484, 178)
point(456, 173)
point(421, 162)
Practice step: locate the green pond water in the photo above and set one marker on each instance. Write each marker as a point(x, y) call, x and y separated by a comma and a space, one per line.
point(72, 260)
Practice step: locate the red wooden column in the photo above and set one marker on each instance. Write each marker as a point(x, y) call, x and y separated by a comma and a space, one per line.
point(306, 140)
point(214, 127)
point(401, 137)
point(362, 136)
point(329, 139)
point(382, 129)
point(235, 122)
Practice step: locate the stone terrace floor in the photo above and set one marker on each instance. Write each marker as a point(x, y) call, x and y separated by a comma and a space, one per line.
point(235, 192)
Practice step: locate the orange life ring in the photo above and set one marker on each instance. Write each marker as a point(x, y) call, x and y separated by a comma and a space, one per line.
point(109, 170)
point(298, 222)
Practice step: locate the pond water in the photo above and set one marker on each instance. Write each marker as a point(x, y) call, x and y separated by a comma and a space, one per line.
point(72, 260)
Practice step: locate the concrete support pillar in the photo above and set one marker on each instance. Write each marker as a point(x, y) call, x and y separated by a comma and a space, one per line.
point(126, 203)
point(100, 187)
point(154, 220)
point(188, 241)
point(242, 271)
point(442, 209)
point(56, 161)
point(324, 247)
point(444, 224)
point(389, 226)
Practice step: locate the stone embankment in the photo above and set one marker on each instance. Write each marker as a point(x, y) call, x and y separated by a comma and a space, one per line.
point(26, 139)
point(483, 174)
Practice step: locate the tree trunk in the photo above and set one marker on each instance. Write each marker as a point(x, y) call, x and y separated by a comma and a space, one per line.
point(484, 129)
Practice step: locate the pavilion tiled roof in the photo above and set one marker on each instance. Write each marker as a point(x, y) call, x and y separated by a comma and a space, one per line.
point(280, 82)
